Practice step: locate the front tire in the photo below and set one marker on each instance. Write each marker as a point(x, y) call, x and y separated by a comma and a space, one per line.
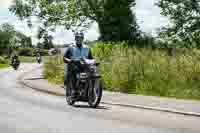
point(95, 93)
point(39, 61)
point(68, 95)
point(16, 66)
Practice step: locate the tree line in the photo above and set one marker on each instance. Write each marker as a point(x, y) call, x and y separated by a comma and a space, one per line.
point(10, 38)
point(116, 19)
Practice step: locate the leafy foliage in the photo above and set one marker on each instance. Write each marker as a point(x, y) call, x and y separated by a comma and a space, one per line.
point(185, 21)
point(7, 33)
point(10, 39)
point(115, 18)
point(141, 70)
point(54, 69)
point(25, 51)
point(2, 60)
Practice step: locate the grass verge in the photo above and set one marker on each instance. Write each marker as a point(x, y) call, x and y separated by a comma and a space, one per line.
point(27, 59)
point(4, 66)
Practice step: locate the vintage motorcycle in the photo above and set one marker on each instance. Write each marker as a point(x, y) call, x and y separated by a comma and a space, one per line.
point(38, 58)
point(87, 84)
point(15, 63)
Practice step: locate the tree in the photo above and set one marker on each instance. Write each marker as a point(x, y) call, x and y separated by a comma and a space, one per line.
point(7, 33)
point(25, 41)
point(115, 19)
point(48, 43)
point(10, 38)
point(39, 45)
point(117, 22)
point(185, 21)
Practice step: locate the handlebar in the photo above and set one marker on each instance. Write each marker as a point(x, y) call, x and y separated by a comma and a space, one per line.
point(84, 61)
point(75, 61)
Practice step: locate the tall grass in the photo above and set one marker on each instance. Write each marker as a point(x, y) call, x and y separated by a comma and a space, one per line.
point(151, 72)
point(54, 69)
point(141, 71)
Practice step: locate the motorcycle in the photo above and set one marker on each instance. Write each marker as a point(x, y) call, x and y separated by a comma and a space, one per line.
point(39, 59)
point(87, 84)
point(15, 64)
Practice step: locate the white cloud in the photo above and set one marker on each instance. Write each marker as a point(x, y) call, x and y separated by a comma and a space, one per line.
point(61, 35)
point(148, 16)
point(93, 33)
point(5, 3)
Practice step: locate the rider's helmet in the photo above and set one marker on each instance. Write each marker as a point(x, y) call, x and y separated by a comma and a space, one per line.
point(79, 35)
point(38, 50)
point(14, 57)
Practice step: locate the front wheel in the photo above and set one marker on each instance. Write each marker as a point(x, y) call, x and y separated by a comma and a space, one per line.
point(68, 95)
point(15, 66)
point(95, 93)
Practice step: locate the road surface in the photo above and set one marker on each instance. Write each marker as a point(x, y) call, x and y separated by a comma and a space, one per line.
point(23, 110)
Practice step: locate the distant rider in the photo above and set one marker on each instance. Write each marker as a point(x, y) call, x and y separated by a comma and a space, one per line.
point(15, 56)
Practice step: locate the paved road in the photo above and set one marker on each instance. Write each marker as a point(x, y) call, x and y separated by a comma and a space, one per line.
point(23, 110)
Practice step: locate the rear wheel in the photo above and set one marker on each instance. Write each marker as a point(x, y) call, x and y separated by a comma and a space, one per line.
point(95, 93)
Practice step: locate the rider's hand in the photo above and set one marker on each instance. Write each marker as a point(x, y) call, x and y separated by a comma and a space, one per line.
point(69, 60)
point(73, 61)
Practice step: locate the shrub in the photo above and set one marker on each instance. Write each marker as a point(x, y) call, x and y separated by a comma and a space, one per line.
point(2, 60)
point(44, 52)
point(54, 69)
point(1, 52)
point(25, 51)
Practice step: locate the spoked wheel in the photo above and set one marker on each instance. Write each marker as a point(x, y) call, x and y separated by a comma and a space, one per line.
point(15, 67)
point(68, 95)
point(94, 93)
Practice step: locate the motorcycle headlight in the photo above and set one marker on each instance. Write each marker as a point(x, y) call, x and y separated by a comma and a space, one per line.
point(93, 68)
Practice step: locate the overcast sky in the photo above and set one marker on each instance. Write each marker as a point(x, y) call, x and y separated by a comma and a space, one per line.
point(148, 17)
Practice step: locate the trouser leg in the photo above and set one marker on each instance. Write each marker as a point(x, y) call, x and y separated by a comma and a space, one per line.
point(72, 76)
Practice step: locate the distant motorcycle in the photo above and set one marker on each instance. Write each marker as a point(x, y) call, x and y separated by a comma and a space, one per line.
point(88, 84)
point(15, 63)
point(39, 59)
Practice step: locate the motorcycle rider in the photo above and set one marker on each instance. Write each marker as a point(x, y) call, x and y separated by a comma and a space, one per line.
point(14, 57)
point(73, 55)
point(38, 56)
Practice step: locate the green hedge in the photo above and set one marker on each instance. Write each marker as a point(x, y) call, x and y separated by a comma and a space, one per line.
point(45, 52)
point(31, 52)
point(3, 62)
point(25, 51)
